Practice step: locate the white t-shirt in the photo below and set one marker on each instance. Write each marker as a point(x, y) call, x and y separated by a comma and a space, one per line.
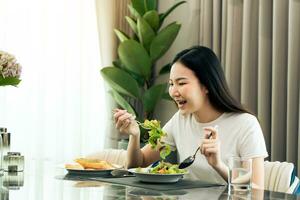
point(239, 133)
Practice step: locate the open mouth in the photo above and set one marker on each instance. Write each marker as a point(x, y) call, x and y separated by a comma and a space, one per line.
point(180, 103)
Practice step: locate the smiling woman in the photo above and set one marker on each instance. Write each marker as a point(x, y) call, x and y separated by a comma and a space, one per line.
point(197, 84)
point(54, 113)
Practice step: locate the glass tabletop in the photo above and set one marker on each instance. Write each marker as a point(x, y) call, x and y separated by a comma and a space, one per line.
point(43, 183)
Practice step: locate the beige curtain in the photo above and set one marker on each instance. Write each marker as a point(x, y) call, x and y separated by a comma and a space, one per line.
point(110, 15)
point(259, 46)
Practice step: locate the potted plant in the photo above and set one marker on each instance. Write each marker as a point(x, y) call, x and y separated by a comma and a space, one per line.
point(132, 77)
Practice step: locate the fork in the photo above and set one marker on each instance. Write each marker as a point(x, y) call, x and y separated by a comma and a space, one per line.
point(140, 124)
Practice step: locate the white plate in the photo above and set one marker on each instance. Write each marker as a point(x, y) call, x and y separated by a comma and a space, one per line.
point(143, 175)
point(85, 172)
point(92, 172)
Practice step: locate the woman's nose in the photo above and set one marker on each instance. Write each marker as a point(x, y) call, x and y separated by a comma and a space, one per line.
point(173, 91)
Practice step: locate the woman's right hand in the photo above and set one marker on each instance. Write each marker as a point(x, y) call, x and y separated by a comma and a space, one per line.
point(125, 122)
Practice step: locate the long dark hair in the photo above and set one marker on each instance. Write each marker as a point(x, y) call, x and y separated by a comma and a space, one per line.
point(207, 68)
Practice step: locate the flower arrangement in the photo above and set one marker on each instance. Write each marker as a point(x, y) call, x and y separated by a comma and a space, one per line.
point(10, 70)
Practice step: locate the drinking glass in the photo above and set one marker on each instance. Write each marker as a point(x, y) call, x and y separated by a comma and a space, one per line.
point(240, 172)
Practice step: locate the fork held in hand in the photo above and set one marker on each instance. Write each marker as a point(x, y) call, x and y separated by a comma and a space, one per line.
point(140, 124)
point(133, 118)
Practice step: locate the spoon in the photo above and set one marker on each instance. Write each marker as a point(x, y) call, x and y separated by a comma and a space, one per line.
point(189, 160)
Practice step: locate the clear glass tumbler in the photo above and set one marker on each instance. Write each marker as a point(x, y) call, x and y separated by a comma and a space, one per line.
point(240, 172)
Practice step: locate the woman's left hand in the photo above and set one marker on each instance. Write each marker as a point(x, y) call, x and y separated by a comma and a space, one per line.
point(210, 147)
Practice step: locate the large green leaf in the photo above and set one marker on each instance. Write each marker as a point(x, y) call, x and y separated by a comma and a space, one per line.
point(163, 16)
point(118, 63)
point(167, 96)
point(9, 81)
point(135, 57)
point(150, 5)
point(122, 36)
point(122, 102)
point(152, 96)
point(132, 24)
point(139, 6)
point(165, 69)
point(163, 40)
point(121, 81)
point(152, 18)
point(140, 79)
point(145, 33)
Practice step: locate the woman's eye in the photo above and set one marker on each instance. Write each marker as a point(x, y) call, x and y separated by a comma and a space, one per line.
point(181, 83)
point(171, 84)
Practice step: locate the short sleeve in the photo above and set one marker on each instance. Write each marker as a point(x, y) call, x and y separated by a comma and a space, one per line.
point(169, 139)
point(252, 143)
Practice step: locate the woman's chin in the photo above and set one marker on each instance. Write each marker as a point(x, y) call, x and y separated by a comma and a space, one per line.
point(183, 111)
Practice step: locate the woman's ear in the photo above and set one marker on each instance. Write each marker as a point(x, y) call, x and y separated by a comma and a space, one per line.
point(205, 89)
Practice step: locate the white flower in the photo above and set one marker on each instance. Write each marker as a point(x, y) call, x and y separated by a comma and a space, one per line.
point(9, 66)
